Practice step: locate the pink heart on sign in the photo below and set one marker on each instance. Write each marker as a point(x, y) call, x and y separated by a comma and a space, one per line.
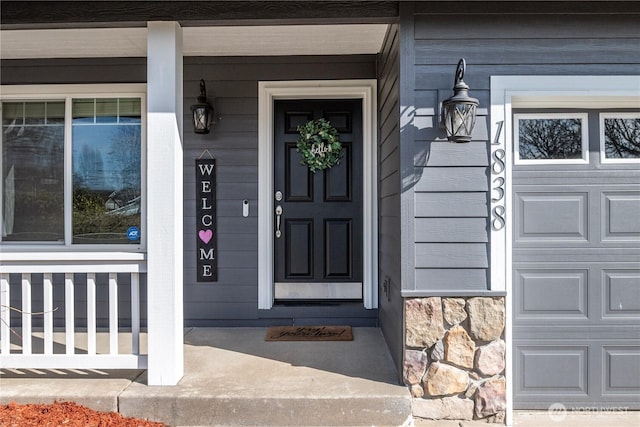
point(205, 235)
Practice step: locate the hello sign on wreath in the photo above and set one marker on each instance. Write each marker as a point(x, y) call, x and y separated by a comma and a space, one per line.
point(319, 145)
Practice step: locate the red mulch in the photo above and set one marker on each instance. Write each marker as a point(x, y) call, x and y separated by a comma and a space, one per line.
point(66, 414)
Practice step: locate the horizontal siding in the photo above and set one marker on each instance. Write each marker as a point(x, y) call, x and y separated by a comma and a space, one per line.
point(232, 86)
point(441, 153)
point(74, 71)
point(389, 199)
point(451, 204)
point(444, 230)
point(530, 51)
point(452, 179)
point(451, 255)
point(456, 279)
point(451, 190)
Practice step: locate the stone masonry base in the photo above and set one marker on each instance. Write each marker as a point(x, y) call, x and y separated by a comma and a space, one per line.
point(454, 357)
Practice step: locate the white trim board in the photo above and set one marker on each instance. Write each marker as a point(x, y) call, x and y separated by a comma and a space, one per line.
point(508, 92)
point(268, 92)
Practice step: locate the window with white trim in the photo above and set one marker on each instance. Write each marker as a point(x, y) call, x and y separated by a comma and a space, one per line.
point(620, 137)
point(72, 170)
point(550, 138)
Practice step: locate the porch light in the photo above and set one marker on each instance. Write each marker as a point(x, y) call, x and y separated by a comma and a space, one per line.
point(459, 111)
point(202, 112)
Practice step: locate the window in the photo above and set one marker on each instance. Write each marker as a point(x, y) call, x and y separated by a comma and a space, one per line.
point(550, 138)
point(620, 137)
point(72, 170)
point(32, 171)
point(106, 140)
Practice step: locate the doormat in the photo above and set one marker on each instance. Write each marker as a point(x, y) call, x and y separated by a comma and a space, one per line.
point(309, 333)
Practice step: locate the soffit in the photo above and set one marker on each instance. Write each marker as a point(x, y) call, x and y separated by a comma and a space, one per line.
point(344, 39)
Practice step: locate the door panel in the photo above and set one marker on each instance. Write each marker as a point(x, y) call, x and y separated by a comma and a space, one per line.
point(318, 254)
point(298, 179)
point(338, 251)
point(338, 181)
point(299, 250)
point(576, 282)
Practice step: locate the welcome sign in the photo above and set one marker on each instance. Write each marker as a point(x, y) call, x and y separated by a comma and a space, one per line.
point(207, 261)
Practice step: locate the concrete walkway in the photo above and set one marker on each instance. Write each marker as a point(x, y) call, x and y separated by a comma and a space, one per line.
point(234, 378)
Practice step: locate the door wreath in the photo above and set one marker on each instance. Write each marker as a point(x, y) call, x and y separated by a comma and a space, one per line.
point(319, 145)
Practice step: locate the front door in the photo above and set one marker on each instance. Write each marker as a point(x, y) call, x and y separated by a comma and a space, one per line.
point(318, 216)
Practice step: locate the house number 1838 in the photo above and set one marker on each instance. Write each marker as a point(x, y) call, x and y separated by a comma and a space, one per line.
point(498, 166)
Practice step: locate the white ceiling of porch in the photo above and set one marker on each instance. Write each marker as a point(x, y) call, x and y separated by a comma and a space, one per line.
point(197, 41)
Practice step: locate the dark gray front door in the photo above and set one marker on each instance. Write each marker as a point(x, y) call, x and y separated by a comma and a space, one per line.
point(576, 259)
point(318, 252)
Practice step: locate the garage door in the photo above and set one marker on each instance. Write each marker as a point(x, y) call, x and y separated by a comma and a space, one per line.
point(576, 258)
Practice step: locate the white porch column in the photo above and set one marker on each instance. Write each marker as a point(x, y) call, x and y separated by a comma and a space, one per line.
point(164, 203)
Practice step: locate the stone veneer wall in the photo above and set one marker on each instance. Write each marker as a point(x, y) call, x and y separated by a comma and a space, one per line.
point(454, 357)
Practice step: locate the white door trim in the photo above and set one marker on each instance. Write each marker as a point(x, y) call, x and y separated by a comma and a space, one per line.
point(508, 92)
point(268, 92)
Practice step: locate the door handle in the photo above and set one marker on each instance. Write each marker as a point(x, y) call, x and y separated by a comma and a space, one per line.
point(278, 218)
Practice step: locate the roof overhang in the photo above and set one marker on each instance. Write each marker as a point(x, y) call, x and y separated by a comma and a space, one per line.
point(334, 39)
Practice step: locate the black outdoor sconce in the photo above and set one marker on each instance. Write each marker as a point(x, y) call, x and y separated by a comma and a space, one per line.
point(459, 111)
point(202, 112)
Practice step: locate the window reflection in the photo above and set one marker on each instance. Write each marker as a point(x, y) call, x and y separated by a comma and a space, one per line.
point(622, 138)
point(33, 171)
point(550, 139)
point(106, 135)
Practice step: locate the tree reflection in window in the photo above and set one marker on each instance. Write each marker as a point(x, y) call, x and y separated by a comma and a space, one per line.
point(622, 138)
point(106, 170)
point(550, 138)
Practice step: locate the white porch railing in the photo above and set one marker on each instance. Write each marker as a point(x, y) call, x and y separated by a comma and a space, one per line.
point(81, 347)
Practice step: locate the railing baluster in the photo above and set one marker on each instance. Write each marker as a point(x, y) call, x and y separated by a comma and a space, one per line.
point(18, 320)
point(47, 296)
point(5, 315)
point(135, 313)
point(69, 313)
point(26, 313)
point(113, 313)
point(91, 313)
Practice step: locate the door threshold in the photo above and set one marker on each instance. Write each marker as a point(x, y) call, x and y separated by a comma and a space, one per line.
point(318, 291)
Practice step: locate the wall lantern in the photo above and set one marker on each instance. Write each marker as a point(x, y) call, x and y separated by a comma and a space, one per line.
point(202, 112)
point(459, 111)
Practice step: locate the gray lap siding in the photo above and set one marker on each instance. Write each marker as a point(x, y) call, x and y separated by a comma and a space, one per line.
point(450, 182)
point(232, 85)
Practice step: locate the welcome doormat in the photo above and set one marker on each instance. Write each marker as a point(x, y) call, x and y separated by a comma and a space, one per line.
point(309, 333)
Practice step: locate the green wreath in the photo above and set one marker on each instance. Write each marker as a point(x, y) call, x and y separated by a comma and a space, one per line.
point(319, 145)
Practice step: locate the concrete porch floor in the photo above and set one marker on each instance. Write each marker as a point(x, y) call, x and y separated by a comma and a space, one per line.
point(234, 378)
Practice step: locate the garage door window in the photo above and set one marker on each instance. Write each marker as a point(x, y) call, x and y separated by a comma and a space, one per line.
point(620, 137)
point(550, 138)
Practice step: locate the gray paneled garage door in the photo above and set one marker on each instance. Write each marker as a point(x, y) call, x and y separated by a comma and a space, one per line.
point(576, 258)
